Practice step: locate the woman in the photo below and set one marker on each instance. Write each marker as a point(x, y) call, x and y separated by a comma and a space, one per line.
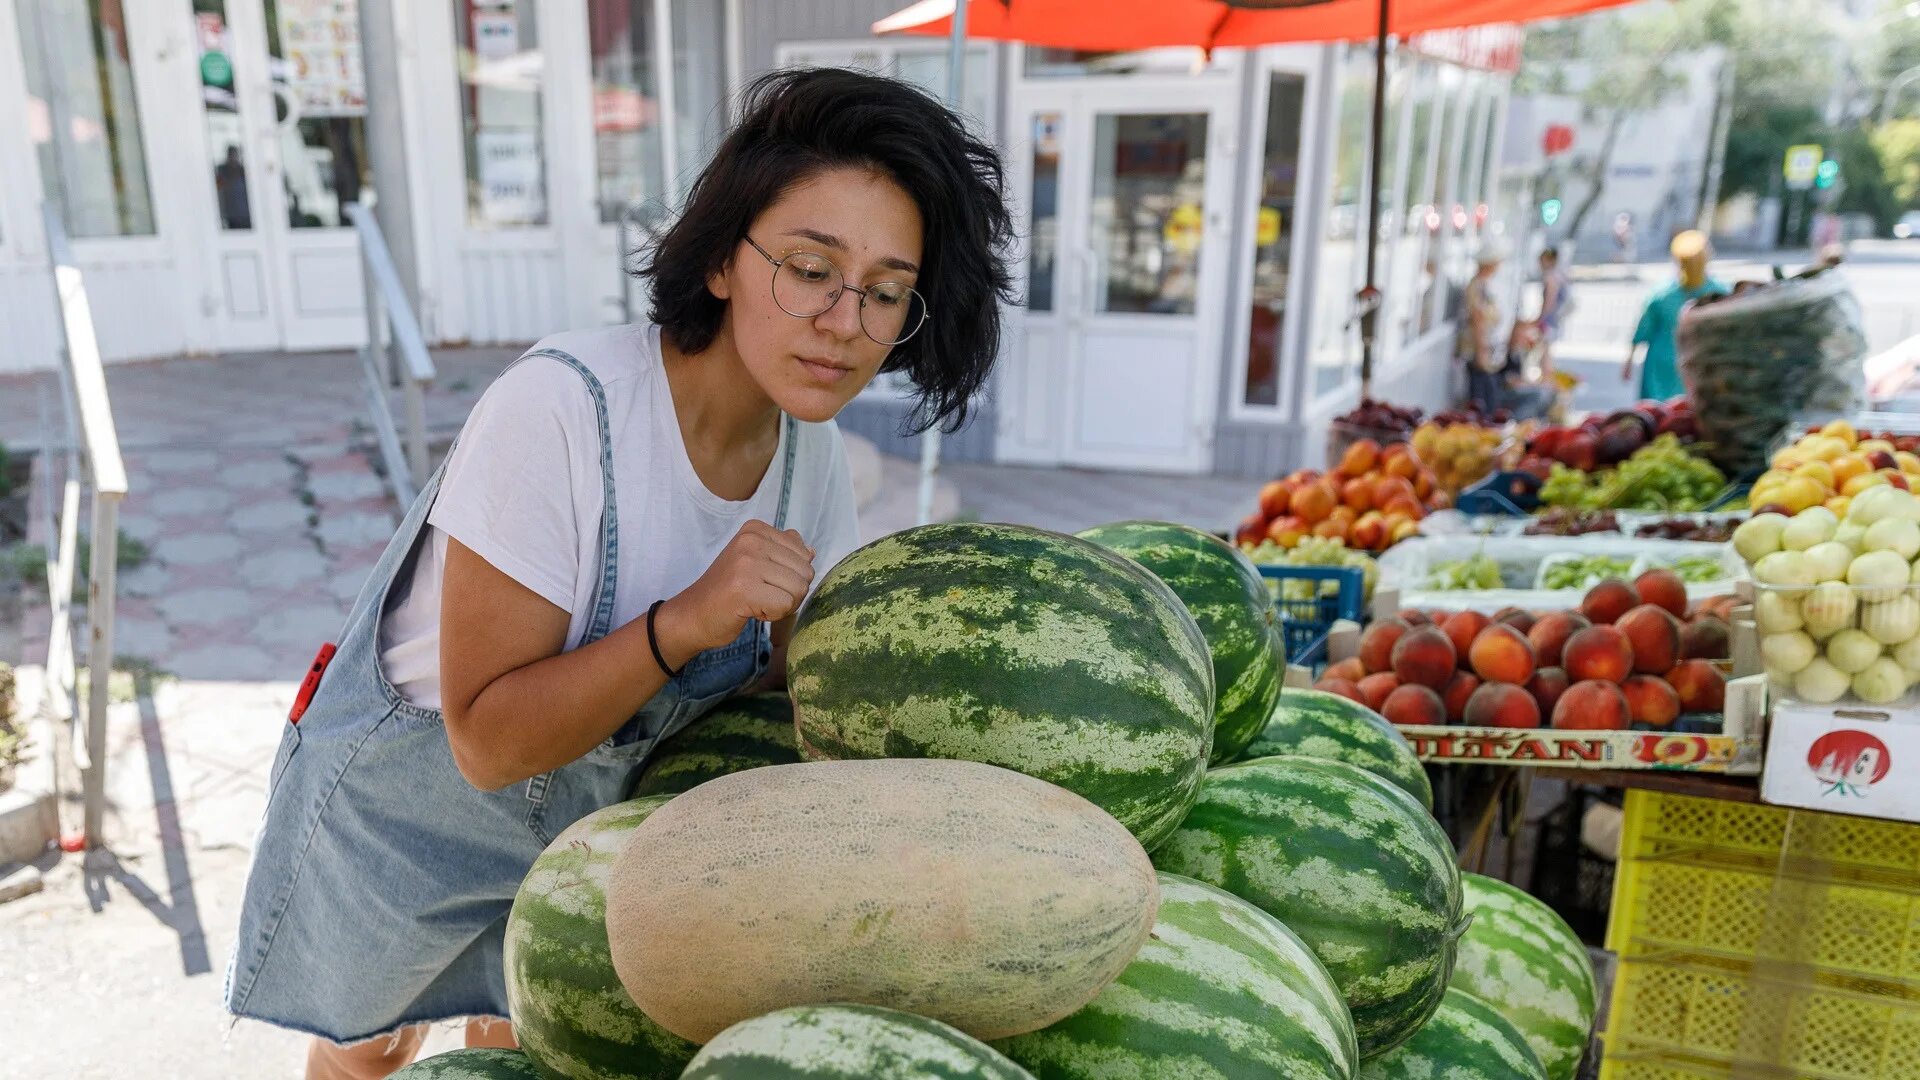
point(1481, 344)
point(618, 541)
point(1660, 319)
point(1556, 300)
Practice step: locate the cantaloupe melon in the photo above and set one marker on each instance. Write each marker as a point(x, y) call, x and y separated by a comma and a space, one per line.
point(977, 896)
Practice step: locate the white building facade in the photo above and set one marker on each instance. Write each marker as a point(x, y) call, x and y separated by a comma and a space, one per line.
point(1190, 229)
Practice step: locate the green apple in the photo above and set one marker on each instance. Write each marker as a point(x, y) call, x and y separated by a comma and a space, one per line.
point(1829, 560)
point(1811, 526)
point(1891, 622)
point(1827, 607)
point(1882, 682)
point(1897, 535)
point(1879, 575)
point(1759, 536)
point(1788, 652)
point(1790, 568)
point(1777, 611)
point(1820, 682)
point(1852, 650)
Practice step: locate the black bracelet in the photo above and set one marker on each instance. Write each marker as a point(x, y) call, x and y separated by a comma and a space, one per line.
point(653, 641)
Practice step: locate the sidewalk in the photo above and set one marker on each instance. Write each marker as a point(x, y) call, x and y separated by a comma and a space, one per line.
point(254, 488)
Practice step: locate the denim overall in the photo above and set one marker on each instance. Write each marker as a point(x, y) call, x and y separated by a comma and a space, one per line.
point(381, 878)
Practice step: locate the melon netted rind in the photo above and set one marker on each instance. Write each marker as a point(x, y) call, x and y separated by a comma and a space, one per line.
point(1221, 990)
point(570, 1013)
point(1466, 1039)
point(1350, 863)
point(745, 732)
point(1022, 648)
point(472, 1063)
point(966, 893)
point(1521, 957)
point(1315, 723)
point(1231, 604)
point(848, 1042)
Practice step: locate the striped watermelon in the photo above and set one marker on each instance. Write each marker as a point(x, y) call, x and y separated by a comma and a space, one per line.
point(474, 1063)
point(848, 1042)
point(1314, 723)
point(569, 1010)
point(1221, 990)
point(743, 733)
point(1229, 600)
point(1520, 957)
point(1349, 862)
point(1020, 648)
point(1465, 1040)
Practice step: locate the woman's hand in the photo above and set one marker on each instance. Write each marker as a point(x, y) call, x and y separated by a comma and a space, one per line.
point(763, 573)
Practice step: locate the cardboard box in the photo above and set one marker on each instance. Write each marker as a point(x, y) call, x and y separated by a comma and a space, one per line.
point(1735, 751)
point(1847, 759)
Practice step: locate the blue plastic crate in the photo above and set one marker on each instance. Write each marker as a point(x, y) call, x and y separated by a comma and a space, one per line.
point(1304, 623)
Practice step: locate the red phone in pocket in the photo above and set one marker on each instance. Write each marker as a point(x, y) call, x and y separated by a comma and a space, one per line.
point(311, 683)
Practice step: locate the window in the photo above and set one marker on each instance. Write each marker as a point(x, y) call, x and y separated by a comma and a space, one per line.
point(1273, 237)
point(1445, 217)
point(629, 158)
point(1043, 247)
point(221, 107)
point(1336, 346)
point(1404, 284)
point(699, 85)
point(1044, 62)
point(501, 72)
point(320, 102)
point(82, 116)
point(923, 64)
point(1147, 212)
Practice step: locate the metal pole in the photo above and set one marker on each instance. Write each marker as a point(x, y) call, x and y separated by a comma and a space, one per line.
point(100, 596)
point(956, 84)
point(1370, 296)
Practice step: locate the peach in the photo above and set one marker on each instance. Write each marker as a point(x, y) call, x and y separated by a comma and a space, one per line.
point(1344, 687)
point(1350, 669)
point(1402, 466)
point(1609, 600)
point(1700, 686)
point(1361, 456)
point(1549, 635)
point(1274, 497)
point(1650, 700)
point(1425, 656)
point(1502, 705)
point(1376, 645)
point(1598, 653)
point(1344, 514)
point(1369, 533)
point(1462, 627)
point(1655, 637)
point(1358, 494)
point(1402, 528)
point(1501, 654)
point(1387, 488)
point(1663, 587)
point(1546, 686)
point(1405, 504)
point(1315, 501)
point(1413, 704)
point(1288, 531)
point(1459, 689)
point(1704, 639)
point(1515, 617)
point(1414, 617)
point(1331, 529)
point(1375, 688)
point(1593, 705)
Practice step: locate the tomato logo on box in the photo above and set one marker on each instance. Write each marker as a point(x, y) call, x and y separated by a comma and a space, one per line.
point(1848, 762)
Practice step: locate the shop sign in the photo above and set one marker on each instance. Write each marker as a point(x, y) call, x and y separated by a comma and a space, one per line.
point(1585, 749)
point(321, 42)
point(512, 189)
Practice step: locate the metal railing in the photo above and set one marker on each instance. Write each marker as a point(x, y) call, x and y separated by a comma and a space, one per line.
point(92, 452)
point(390, 313)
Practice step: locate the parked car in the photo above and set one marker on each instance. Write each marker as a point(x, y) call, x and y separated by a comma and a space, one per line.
point(1908, 227)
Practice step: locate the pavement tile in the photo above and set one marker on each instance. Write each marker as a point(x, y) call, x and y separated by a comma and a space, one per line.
point(207, 606)
point(198, 549)
point(273, 515)
point(259, 472)
point(343, 485)
point(197, 500)
point(355, 530)
point(294, 626)
point(351, 461)
point(230, 661)
point(145, 638)
point(149, 579)
point(181, 460)
point(283, 566)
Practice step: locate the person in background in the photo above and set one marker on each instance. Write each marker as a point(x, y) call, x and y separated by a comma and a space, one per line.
point(1556, 300)
point(1659, 375)
point(1483, 333)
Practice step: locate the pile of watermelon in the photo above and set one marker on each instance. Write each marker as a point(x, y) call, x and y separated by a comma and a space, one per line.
point(1037, 807)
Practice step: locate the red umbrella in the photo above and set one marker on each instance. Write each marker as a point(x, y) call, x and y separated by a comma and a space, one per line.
point(1118, 25)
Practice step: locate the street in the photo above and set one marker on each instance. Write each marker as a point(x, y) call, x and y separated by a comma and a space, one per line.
point(1885, 275)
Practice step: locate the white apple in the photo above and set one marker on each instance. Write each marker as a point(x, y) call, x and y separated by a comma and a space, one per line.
point(1829, 560)
point(1792, 568)
point(1880, 575)
point(1908, 654)
point(1788, 652)
point(1892, 621)
point(1853, 534)
point(1776, 612)
point(1811, 526)
point(1827, 607)
point(1893, 534)
point(1759, 536)
point(1852, 650)
point(1883, 681)
point(1873, 504)
point(1820, 683)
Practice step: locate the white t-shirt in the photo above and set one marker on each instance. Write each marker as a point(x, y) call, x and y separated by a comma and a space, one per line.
point(523, 490)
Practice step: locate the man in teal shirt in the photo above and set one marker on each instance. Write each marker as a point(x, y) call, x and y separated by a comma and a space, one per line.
point(1659, 375)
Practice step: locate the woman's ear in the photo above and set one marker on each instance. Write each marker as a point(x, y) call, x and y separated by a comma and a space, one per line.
point(717, 282)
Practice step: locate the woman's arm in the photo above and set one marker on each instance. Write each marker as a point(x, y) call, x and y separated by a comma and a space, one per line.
point(776, 677)
point(516, 706)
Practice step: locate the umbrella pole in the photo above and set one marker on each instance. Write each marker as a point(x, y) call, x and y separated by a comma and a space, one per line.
point(1369, 298)
point(930, 438)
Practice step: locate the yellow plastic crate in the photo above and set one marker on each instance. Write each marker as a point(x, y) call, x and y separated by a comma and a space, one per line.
point(1659, 825)
point(1702, 1018)
point(1842, 929)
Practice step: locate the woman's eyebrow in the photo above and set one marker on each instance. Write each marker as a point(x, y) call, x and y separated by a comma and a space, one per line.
point(892, 262)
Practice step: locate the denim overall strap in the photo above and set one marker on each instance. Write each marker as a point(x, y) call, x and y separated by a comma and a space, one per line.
point(601, 622)
point(791, 438)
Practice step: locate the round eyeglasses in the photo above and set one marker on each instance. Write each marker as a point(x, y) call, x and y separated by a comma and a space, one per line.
point(806, 285)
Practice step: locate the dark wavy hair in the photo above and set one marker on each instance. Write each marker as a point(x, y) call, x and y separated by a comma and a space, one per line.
point(795, 124)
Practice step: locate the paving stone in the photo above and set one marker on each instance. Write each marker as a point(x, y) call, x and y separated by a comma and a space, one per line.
point(141, 525)
point(353, 530)
point(227, 662)
point(259, 472)
point(149, 579)
point(308, 625)
point(180, 461)
point(283, 566)
point(270, 515)
point(209, 606)
point(198, 500)
point(148, 638)
point(199, 549)
point(346, 485)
